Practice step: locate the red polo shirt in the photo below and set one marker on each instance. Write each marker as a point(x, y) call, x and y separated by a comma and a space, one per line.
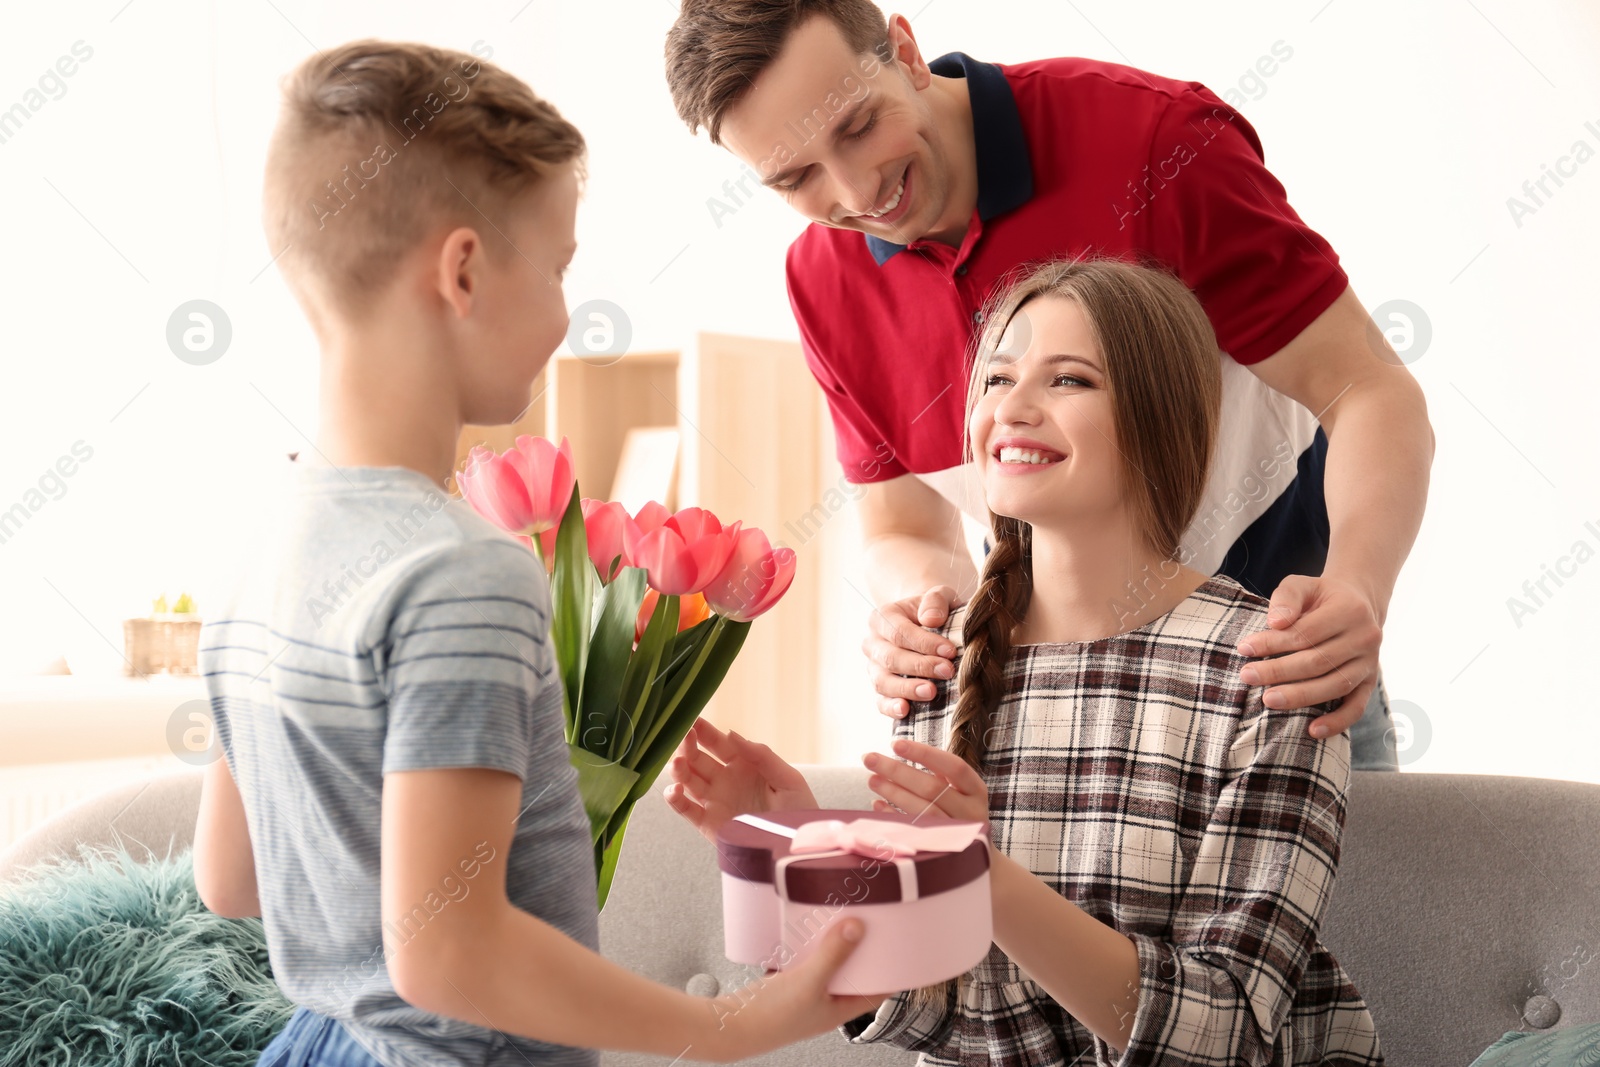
point(1074, 156)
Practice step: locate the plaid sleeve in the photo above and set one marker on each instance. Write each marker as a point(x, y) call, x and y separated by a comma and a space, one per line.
point(1218, 992)
point(896, 1023)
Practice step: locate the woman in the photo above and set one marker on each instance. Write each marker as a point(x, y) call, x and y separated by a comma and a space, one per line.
point(1164, 844)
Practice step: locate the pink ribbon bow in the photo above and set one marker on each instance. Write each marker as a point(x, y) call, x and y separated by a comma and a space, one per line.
point(883, 838)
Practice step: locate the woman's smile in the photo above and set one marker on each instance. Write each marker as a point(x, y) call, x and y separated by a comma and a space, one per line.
point(1024, 461)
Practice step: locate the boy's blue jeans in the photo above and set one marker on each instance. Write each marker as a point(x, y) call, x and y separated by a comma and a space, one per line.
point(312, 1040)
point(1372, 739)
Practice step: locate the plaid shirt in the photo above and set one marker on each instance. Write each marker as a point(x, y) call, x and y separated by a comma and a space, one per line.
point(1143, 781)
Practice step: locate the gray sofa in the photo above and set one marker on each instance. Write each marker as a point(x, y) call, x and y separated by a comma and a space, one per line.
point(1467, 905)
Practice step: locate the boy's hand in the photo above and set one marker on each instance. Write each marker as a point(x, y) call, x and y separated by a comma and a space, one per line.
point(717, 775)
point(949, 785)
point(791, 1006)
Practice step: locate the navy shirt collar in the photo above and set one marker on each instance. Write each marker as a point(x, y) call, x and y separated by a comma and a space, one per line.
point(1005, 174)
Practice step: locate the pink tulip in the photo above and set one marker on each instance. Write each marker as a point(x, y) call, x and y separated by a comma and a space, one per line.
point(524, 490)
point(605, 523)
point(682, 552)
point(648, 518)
point(755, 577)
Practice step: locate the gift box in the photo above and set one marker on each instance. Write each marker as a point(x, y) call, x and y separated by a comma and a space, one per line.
point(919, 885)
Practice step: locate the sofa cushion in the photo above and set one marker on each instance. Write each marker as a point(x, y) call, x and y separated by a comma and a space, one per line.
point(113, 960)
point(1573, 1047)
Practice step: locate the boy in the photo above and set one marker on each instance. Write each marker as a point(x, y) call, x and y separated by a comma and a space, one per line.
point(396, 800)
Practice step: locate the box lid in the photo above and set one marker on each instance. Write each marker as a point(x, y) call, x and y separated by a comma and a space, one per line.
point(747, 850)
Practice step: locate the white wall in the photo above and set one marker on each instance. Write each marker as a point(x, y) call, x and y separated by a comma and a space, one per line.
point(1399, 130)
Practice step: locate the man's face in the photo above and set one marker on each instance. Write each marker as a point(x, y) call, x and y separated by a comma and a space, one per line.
point(848, 140)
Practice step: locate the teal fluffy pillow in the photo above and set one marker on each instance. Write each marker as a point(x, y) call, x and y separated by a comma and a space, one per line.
point(1576, 1046)
point(111, 961)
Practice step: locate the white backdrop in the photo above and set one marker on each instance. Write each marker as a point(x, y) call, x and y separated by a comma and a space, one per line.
point(1401, 131)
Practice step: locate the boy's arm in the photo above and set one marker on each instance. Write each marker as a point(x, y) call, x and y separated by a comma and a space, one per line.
point(484, 961)
point(224, 866)
point(464, 656)
point(481, 959)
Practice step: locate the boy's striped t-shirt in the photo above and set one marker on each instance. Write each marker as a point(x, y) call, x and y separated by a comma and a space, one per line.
point(381, 626)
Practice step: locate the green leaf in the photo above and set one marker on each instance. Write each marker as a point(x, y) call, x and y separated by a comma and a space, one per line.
point(639, 682)
point(604, 728)
point(606, 862)
point(604, 786)
point(572, 601)
point(685, 647)
point(722, 645)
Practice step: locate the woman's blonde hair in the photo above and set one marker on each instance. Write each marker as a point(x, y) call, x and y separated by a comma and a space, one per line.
point(1164, 377)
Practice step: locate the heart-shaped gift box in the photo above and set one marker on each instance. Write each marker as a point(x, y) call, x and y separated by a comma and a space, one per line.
point(920, 886)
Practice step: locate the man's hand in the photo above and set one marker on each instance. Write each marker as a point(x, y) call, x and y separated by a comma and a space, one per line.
point(949, 785)
point(903, 655)
point(1326, 633)
point(717, 775)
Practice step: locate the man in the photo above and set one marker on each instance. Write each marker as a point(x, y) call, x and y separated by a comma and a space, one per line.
point(928, 182)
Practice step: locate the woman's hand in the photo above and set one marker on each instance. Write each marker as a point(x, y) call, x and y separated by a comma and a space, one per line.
point(717, 775)
point(904, 654)
point(949, 784)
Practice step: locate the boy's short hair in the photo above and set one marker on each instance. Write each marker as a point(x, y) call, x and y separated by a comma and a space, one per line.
point(380, 143)
point(716, 48)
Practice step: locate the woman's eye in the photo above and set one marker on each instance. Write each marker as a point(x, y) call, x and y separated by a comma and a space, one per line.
point(1071, 379)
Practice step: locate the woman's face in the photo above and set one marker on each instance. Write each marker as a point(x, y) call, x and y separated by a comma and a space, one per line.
point(1042, 432)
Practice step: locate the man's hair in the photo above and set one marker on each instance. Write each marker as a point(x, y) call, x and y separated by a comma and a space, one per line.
point(717, 47)
point(379, 144)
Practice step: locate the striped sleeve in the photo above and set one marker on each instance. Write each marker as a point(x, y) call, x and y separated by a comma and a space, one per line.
point(1219, 991)
point(464, 660)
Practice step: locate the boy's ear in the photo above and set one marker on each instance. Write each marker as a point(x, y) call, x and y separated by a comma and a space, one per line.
point(459, 269)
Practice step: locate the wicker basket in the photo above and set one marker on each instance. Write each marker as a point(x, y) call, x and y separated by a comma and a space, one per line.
point(162, 644)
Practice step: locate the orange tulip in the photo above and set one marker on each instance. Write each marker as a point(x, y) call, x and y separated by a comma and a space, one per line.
point(692, 610)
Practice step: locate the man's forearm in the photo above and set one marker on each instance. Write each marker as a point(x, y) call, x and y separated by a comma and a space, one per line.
point(902, 565)
point(1380, 452)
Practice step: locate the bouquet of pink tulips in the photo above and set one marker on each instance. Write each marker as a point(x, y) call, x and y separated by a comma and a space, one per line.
point(649, 611)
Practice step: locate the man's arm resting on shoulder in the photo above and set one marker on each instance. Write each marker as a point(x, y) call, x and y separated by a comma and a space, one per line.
point(224, 867)
point(914, 541)
point(1380, 451)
